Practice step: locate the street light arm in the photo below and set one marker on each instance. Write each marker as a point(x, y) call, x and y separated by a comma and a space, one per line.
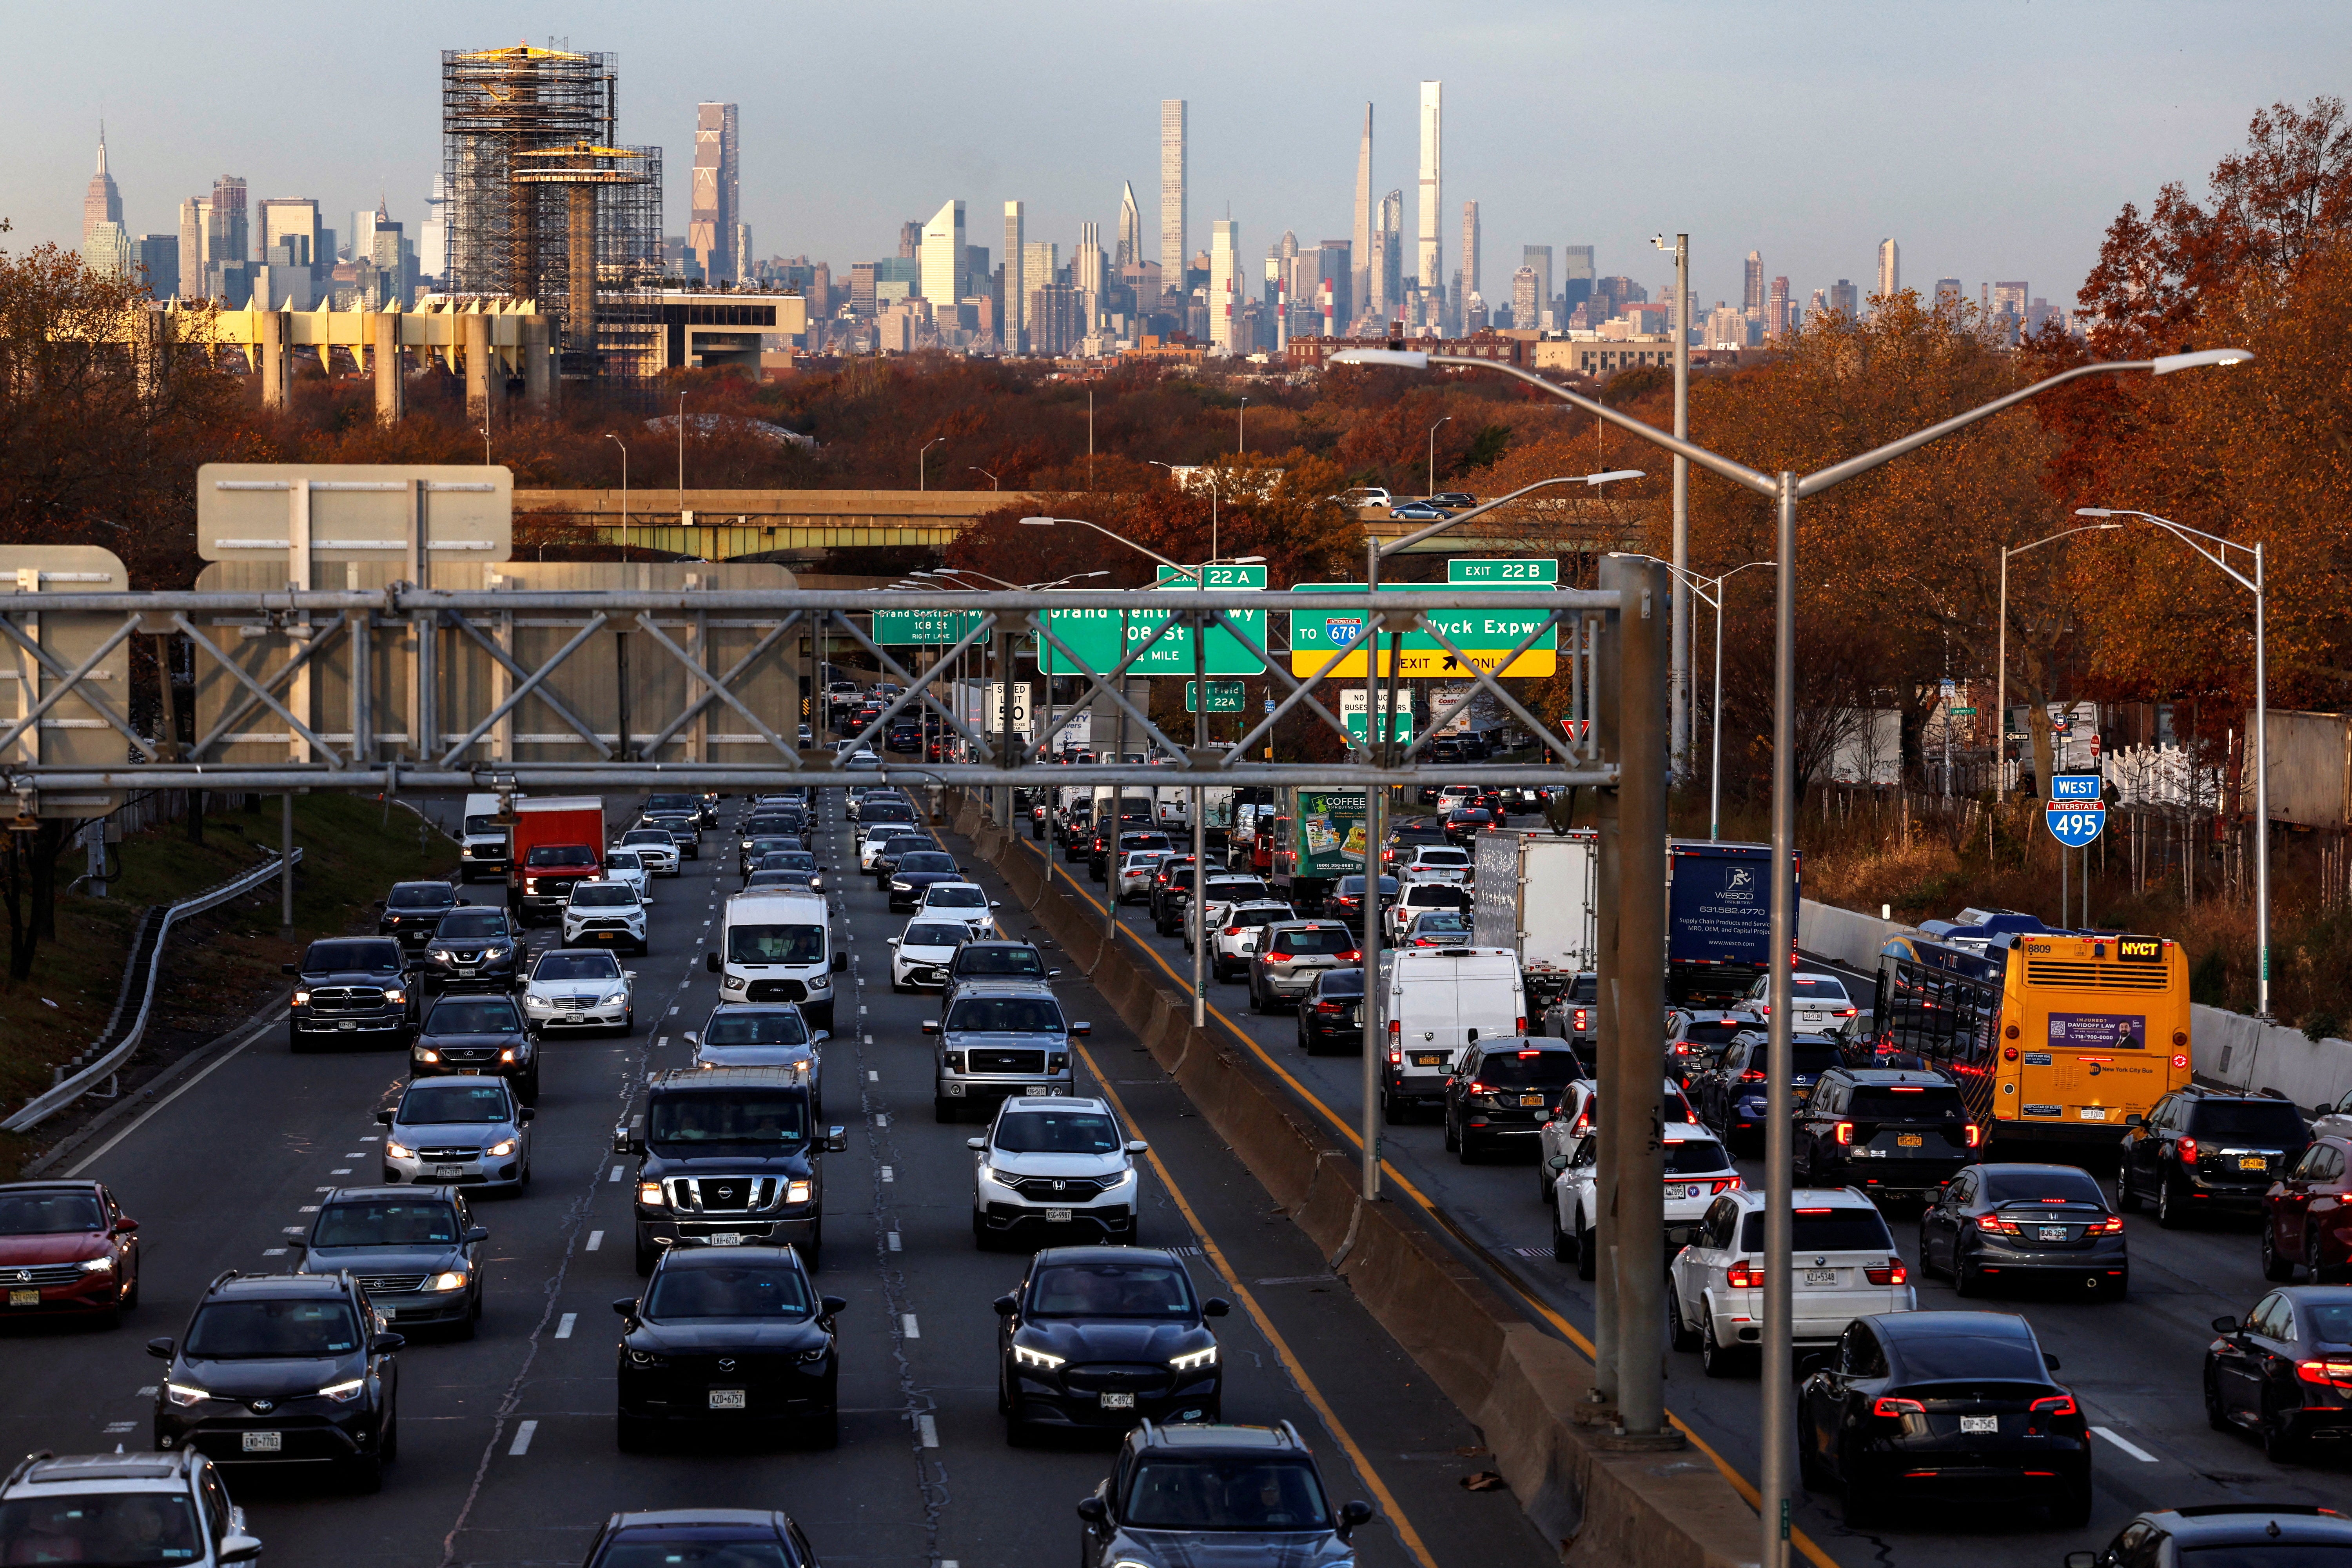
point(1459, 518)
point(2187, 536)
point(1107, 533)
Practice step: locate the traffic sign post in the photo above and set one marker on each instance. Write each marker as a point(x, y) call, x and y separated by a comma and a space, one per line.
point(1225, 696)
point(1354, 708)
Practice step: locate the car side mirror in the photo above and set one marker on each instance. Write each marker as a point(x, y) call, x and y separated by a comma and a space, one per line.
point(930, 1025)
point(289, 969)
point(237, 1548)
point(625, 1142)
point(996, 903)
point(1006, 1305)
point(975, 1144)
point(832, 1306)
point(383, 1119)
point(1354, 1513)
point(837, 1140)
point(1558, 1161)
point(840, 961)
point(1215, 1307)
point(379, 903)
point(125, 1225)
point(891, 941)
point(625, 1306)
point(710, 961)
point(2225, 1325)
point(629, 974)
point(2133, 1119)
point(1093, 1509)
point(1052, 974)
point(819, 1036)
point(1079, 1029)
point(387, 1343)
point(1137, 1146)
point(475, 1235)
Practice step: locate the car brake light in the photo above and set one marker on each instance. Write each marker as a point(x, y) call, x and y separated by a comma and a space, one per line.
point(2107, 1227)
point(1395, 1028)
point(2336, 1373)
point(1847, 1012)
point(1896, 1409)
point(1743, 1276)
point(1478, 1088)
point(1976, 1135)
point(1997, 1224)
point(1583, 1019)
point(1583, 1125)
point(1891, 1273)
point(1396, 1057)
point(1353, 955)
point(1753, 1075)
point(1232, 931)
point(1728, 1183)
point(1845, 1132)
point(2057, 1405)
point(2189, 1151)
point(1519, 1025)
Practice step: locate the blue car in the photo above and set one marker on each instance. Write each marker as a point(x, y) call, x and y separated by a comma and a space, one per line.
point(1731, 1096)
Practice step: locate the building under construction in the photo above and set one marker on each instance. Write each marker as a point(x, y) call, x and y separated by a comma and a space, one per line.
point(545, 205)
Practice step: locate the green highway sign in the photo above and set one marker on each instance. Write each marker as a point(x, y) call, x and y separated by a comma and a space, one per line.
point(1244, 577)
point(1488, 572)
point(1225, 696)
point(1961, 712)
point(1094, 637)
point(913, 628)
point(1354, 706)
point(1486, 635)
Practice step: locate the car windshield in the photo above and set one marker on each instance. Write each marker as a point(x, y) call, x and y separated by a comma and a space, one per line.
point(1222, 892)
point(672, 803)
point(1705, 1034)
point(775, 944)
point(1156, 1290)
point(421, 896)
point(1341, 982)
point(484, 823)
point(475, 923)
point(955, 897)
point(774, 1290)
point(1906, 1102)
point(780, 879)
point(1845, 1229)
point(398, 1223)
point(780, 1028)
point(1695, 1157)
point(119, 1530)
point(1450, 921)
point(2254, 1120)
point(886, 811)
point(1315, 939)
point(1818, 988)
point(562, 965)
point(1000, 960)
point(1441, 858)
point(1006, 1015)
point(474, 1015)
point(1812, 1056)
point(741, 1118)
point(1950, 1355)
point(927, 860)
point(1353, 886)
point(50, 1214)
point(1439, 897)
point(933, 933)
point(1056, 1132)
point(1584, 988)
point(1528, 1069)
point(645, 835)
point(335, 957)
point(1226, 1493)
point(2031, 1185)
point(309, 1326)
point(619, 860)
point(604, 896)
point(1266, 916)
point(2330, 1322)
point(430, 1103)
point(788, 860)
point(561, 855)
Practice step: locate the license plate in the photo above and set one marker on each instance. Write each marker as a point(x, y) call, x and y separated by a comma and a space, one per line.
point(347, 1024)
point(575, 1018)
point(263, 1442)
point(1036, 1090)
point(446, 1173)
point(1117, 1401)
point(1980, 1424)
point(1531, 1100)
point(725, 1239)
point(1820, 1276)
point(2093, 1113)
point(463, 970)
point(726, 1399)
point(1058, 1216)
point(2052, 1232)
point(1907, 1140)
point(1429, 1058)
point(2252, 1162)
point(24, 1298)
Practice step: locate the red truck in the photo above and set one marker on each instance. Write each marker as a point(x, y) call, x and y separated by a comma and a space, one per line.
point(556, 841)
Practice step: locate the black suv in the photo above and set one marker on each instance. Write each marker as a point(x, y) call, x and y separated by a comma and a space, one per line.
point(1885, 1131)
point(283, 1369)
point(728, 1339)
point(477, 948)
point(2277, 1532)
point(1331, 1017)
point(2206, 1152)
point(711, 1535)
point(728, 1157)
point(354, 989)
point(1181, 1494)
point(1729, 1097)
point(411, 911)
point(477, 1035)
point(1502, 1092)
point(1099, 1338)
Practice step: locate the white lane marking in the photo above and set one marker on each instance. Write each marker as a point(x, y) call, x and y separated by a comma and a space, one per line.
point(324, 1189)
point(596, 1240)
point(861, 1006)
point(523, 1439)
point(2142, 1454)
point(195, 1079)
point(929, 1429)
point(614, 1176)
point(112, 1427)
point(907, 1323)
point(894, 1241)
point(564, 1326)
point(280, 1252)
point(873, 1077)
point(378, 1137)
point(881, 1120)
point(673, 1012)
point(662, 1040)
point(346, 1170)
point(294, 1229)
point(147, 1391)
point(309, 1208)
point(887, 1175)
point(869, 1039)
point(356, 1154)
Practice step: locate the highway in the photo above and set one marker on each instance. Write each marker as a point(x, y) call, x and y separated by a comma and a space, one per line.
point(2134, 1365)
point(508, 1454)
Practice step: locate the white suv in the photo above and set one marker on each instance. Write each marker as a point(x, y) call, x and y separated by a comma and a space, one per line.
point(1844, 1266)
point(1054, 1164)
point(1571, 1122)
point(604, 914)
point(1417, 898)
point(1697, 1169)
point(965, 901)
point(1436, 863)
point(93, 1508)
point(1233, 936)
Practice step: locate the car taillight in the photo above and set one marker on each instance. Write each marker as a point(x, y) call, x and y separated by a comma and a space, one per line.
point(1891, 1273)
point(2111, 1226)
point(1976, 1135)
point(1583, 1125)
point(1353, 955)
point(1396, 1057)
point(1232, 931)
point(1519, 1025)
point(1844, 1132)
point(2188, 1151)
point(2057, 1405)
point(2327, 1373)
point(1997, 1224)
point(1753, 1075)
point(1743, 1276)
point(1846, 1012)
point(1728, 1183)
point(1583, 1019)
point(1896, 1409)
point(1327, 1006)
point(1478, 1088)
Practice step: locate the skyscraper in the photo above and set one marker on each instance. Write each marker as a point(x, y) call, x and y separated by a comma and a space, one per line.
point(1360, 285)
point(433, 233)
point(1846, 300)
point(1015, 319)
point(231, 239)
point(107, 251)
point(1527, 292)
point(942, 257)
point(2009, 301)
point(1751, 294)
point(292, 223)
point(1431, 271)
point(1948, 293)
point(1173, 256)
point(1224, 282)
point(1470, 249)
point(1576, 275)
point(710, 228)
point(1890, 269)
point(102, 203)
point(1385, 287)
point(1335, 276)
point(1535, 258)
point(1775, 309)
point(1131, 229)
point(1089, 271)
point(157, 257)
point(196, 224)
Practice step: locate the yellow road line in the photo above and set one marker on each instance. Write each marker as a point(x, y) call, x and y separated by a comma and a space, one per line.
point(1569, 1331)
point(1218, 1261)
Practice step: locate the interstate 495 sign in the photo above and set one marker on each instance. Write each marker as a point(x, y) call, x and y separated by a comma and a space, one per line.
point(2076, 812)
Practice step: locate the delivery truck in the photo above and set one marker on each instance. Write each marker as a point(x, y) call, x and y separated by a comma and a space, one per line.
point(1719, 918)
point(1318, 839)
point(1535, 892)
point(557, 841)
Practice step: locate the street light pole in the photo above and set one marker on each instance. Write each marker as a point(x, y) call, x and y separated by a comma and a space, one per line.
point(625, 491)
point(922, 474)
point(2197, 539)
point(1715, 787)
point(2001, 656)
point(1432, 460)
point(1241, 431)
point(1679, 747)
point(1645, 1249)
point(992, 477)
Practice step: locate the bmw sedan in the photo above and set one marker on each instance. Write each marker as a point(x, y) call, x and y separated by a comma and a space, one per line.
point(732, 1339)
point(1102, 1336)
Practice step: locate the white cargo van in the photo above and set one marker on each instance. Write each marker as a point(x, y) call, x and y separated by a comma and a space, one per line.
point(776, 946)
point(482, 848)
point(1436, 1001)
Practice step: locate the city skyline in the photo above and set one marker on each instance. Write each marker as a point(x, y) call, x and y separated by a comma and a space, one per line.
point(1969, 188)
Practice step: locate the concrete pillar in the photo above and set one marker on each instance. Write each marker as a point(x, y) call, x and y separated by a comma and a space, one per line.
point(391, 385)
point(538, 380)
point(275, 364)
point(474, 338)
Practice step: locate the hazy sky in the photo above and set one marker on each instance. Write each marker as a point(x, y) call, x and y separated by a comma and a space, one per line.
point(1994, 139)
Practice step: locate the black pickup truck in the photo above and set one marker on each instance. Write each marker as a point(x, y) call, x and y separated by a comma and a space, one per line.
point(355, 990)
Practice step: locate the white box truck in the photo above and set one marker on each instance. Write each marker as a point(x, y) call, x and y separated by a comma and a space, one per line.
point(1535, 893)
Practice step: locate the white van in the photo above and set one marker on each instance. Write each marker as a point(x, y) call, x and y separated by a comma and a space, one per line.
point(482, 850)
point(776, 946)
point(1437, 1000)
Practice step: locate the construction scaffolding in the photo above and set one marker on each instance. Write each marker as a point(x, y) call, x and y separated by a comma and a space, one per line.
point(546, 206)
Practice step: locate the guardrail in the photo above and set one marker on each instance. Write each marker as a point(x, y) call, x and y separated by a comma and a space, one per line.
point(66, 1090)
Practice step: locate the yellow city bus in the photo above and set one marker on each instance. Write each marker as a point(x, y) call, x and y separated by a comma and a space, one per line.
point(2058, 1040)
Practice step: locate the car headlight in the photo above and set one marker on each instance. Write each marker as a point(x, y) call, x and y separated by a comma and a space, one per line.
point(819, 983)
point(811, 1358)
point(730, 983)
point(1194, 1360)
point(395, 995)
point(185, 1394)
point(398, 1151)
point(448, 1279)
point(1024, 1356)
point(301, 998)
point(647, 1358)
point(899, 887)
point(1123, 1178)
point(344, 1392)
point(507, 1054)
point(503, 1147)
point(650, 1194)
point(536, 1003)
point(505, 952)
point(798, 1192)
point(425, 1055)
point(441, 955)
point(97, 1265)
point(616, 999)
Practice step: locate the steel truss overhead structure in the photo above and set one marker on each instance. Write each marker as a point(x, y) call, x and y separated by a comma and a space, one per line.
point(396, 658)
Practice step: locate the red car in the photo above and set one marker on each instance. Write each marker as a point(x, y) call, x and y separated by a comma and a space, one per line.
point(2307, 1216)
point(67, 1248)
